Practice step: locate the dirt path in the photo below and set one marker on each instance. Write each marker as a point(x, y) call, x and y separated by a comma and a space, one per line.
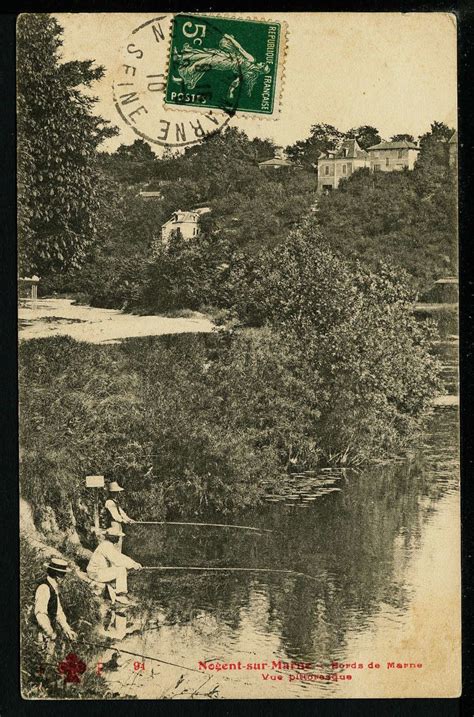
point(58, 317)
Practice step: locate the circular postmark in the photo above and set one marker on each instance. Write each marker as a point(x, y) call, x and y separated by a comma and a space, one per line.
point(139, 92)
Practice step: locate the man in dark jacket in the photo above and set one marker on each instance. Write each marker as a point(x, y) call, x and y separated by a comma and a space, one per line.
point(49, 613)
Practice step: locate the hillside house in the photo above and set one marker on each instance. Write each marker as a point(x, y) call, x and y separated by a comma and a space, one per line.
point(276, 163)
point(28, 287)
point(444, 291)
point(339, 164)
point(392, 156)
point(187, 223)
point(150, 195)
point(279, 162)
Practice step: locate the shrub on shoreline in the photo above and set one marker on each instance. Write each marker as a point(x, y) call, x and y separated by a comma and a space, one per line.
point(356, 329)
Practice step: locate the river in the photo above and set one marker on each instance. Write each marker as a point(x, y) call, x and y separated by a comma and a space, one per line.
point(383, 553)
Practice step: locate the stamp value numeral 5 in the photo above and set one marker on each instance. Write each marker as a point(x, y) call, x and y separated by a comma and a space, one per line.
point(198, 34)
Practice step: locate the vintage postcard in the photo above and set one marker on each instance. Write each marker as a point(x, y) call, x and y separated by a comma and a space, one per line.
point(238, 355)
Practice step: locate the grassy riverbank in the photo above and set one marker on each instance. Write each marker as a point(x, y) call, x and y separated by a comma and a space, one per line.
point(40, 676)
point(190, 424)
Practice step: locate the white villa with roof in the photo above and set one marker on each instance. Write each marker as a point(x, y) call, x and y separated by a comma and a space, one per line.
point(339, 164)
point(383, 157)
point(186, 222)
point(393, 156)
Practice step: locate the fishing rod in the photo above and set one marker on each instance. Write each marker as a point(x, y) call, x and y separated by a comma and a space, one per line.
point(136, 654)
point(221, 569)
point(211, 525)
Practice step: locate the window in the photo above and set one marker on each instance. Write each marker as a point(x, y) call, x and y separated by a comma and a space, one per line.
point(387, 161)
point(376, 167)
point(344, 169)
point(326, 169)
point(400, 153)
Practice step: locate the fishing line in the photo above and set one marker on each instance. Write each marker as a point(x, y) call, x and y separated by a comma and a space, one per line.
point(221, 569)
point(137, 654)
point(208, 525)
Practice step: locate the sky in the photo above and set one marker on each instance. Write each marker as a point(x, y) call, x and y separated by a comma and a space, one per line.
point(394, 71)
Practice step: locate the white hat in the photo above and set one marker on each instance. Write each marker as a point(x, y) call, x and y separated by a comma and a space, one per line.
point(115, 530)
point(59, 565)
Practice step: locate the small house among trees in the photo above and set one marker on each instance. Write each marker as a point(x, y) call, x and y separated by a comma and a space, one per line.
point(393, 156)
point(186, 222)
point(335, 165)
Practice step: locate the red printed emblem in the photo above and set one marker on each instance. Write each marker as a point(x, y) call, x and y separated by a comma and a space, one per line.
point(71, 668)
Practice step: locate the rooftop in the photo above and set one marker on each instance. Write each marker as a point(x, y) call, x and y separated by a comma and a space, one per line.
point(192, 215)
point(149, 195)
point(276, 162)
point(448, 280)
point(349, 149)
point(403, 144)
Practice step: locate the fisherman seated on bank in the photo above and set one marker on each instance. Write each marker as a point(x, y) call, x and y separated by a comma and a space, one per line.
point(113, 512)
point(108, 565)
point(49, 613)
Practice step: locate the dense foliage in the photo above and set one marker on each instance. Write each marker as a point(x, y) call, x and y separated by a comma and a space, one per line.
point(211, 416)
point(59, 195)
point(250, 208)
point(322, 137)
point(406, 218)
point(341, 373)
point(366, 135)
point(357, 331)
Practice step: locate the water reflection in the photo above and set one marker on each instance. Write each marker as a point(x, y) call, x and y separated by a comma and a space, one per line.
point(358, 543)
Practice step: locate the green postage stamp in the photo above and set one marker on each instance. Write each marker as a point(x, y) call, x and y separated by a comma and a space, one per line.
point(226, 64)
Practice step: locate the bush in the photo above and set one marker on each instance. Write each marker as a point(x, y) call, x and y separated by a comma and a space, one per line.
point(81, 415)
point(186, 275)
point(357, 331)
point(211, 415)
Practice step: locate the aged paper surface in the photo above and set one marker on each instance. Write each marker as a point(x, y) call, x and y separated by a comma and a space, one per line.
point(238, 356)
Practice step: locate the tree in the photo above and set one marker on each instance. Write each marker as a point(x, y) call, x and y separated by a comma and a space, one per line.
point(439, 132)
point(434, 151)
point(59, 190)
point(405, 218)
point(138, 151)
point(366, 135)
point(356, 329)
point(322, 138)
point(402, 138)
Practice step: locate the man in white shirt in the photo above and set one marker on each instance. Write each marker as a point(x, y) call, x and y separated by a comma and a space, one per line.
point(113, 513)
point(49, 613)
point(108, 565)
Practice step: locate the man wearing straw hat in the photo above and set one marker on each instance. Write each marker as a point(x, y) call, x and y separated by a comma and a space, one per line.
point(113, 513)
point(49, 613)
point(108, 565)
